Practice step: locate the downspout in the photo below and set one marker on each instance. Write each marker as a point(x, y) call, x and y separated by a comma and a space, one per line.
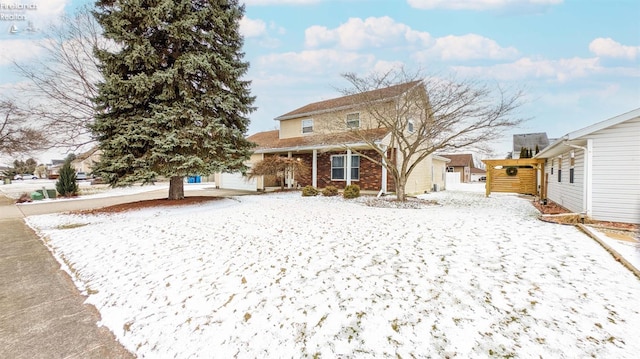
point(586, 185)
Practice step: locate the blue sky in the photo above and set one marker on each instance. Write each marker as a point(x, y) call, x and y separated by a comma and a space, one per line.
point(578, 60)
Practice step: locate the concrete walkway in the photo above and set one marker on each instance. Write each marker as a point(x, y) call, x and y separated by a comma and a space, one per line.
point(42, 314)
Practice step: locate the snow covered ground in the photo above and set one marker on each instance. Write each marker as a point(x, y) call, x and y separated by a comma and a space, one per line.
point(280, 275)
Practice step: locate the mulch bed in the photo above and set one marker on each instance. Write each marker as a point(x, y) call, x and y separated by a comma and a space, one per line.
point(148, 204)
point(552, 208)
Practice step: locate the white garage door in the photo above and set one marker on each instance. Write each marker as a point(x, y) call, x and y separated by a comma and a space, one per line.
point(237, 181)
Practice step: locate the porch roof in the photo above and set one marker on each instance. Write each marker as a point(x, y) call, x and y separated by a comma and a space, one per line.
point(270, 141)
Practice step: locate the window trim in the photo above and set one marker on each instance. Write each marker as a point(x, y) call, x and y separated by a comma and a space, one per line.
point(344, 167)
point(309, 120)
point(411, 126)
point(353, 120)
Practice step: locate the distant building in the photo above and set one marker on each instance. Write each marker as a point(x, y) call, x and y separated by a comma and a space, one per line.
point(465, 165)
point(530, 141)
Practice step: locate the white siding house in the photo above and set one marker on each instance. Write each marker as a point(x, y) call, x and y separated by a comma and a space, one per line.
point(596, 170)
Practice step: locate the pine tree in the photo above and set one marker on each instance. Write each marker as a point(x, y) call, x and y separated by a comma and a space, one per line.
point(173, 102)
point(66, 184)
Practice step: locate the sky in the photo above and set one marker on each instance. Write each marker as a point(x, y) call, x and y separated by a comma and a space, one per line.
point(577, 60)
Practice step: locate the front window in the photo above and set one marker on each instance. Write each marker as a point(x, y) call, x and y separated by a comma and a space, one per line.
point(339, 167)
point(353, 120)
point(307, 126)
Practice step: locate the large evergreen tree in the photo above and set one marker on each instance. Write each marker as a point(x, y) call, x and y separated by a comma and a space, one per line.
point(173, 102)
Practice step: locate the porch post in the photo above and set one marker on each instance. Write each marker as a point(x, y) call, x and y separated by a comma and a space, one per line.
point(314, 169)
point(289, 174)
point(348, 167)
point(383, 185)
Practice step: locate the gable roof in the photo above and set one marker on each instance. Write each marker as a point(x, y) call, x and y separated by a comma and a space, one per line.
point(577, 135)
point(349, 101)
point(270, 141)
point(460, 160)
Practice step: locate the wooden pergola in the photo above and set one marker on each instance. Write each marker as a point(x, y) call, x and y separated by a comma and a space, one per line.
point(516, 176)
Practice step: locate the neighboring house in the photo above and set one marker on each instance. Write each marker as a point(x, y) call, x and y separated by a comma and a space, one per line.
point(465, 165)
point(53, 168)
point(596, 170)
point(86, 161)
point(529, 141)
point(322, 135)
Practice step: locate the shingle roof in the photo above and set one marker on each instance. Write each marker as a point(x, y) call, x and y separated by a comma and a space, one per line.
point(348, 101)
point(460, 160)
point(270, 140)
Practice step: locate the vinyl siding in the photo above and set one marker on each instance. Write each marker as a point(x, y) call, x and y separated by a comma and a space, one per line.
point(616, 172)
point(568, 195)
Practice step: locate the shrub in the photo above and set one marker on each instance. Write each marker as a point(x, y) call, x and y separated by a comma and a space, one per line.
point(351, 191)
point(66, 184)
point(309, 191)
point(330, 191)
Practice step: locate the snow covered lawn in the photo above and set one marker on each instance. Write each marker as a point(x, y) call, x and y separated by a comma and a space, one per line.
point(280, 275)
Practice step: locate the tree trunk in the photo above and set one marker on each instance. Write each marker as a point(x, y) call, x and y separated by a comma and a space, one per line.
point(401, 182)
point(176, 187)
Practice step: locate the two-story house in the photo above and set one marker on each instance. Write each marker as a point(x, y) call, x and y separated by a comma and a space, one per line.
point(335, 138)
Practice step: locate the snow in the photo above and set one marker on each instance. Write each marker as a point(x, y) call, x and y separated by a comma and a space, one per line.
point(280, 275)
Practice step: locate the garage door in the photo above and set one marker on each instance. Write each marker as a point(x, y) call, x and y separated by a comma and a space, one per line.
point(237, 181)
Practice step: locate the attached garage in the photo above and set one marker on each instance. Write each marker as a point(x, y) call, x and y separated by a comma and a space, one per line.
point(236, 181)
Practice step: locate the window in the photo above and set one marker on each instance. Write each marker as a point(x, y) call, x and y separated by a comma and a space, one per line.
point(353, 120)
point(560, 169)
point(339, 167)
point(552, 162)
point(572, 164)
point(451, 169)
point(410, 126)
point(307, 126)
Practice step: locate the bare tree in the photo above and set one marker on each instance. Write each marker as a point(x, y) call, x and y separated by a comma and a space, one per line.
point(432, 115)
point(63, 81)
point(278, 167)
point(16, 137)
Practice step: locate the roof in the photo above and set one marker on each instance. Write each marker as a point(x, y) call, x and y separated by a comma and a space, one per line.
point(530, 141)
point(270, 141)
point(575, 137)
point(348, 101)
point(460, 160)
point(478, 171)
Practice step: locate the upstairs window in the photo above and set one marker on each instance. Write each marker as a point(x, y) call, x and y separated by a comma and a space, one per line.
point(410, 126)
point(307, 126)
point(353, 120)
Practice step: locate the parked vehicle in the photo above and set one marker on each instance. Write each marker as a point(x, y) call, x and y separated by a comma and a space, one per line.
point(483, 179)
point(81, 176)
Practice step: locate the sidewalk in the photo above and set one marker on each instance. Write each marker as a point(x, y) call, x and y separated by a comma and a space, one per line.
point(42, 314)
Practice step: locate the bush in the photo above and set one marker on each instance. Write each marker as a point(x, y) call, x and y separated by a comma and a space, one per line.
point(309, 191)
point(330, 191)
point(66, 184)
point(351, 191)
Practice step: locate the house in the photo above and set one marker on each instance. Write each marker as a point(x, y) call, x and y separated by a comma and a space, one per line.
point(596, 170)
point(335, 138)
point(85, 162)
point(465, 165)
point(529, 141)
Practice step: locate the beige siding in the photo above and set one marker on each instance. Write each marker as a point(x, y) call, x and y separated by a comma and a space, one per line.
point(419, 180)
point(325, 123)
point(438, 170)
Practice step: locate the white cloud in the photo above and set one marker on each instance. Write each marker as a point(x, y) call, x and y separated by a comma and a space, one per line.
point(372, 32)
point(477, 4)
point(607, 47)
point(525, 68)
point(252, 28)
point(468, 47)
point(317, 61)
point(18, 49)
